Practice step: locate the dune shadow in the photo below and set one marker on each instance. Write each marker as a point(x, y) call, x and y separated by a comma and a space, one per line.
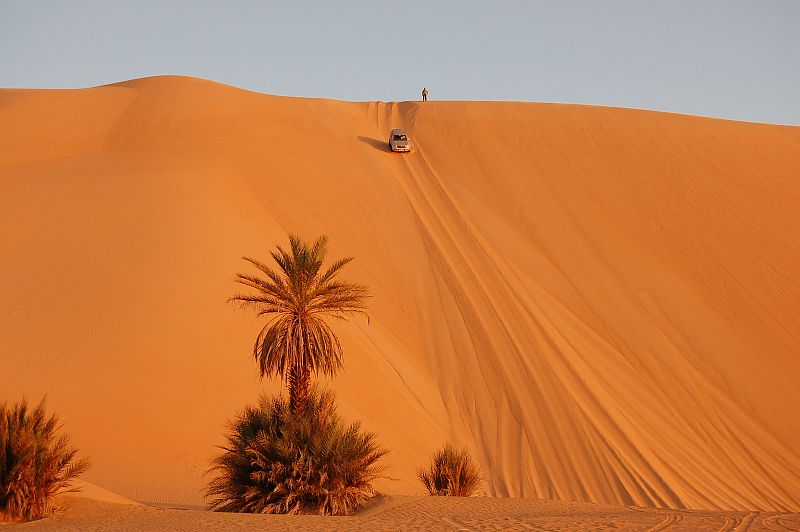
point(381, 145)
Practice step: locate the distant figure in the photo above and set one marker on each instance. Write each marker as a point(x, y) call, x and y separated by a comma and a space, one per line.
point(424, 94)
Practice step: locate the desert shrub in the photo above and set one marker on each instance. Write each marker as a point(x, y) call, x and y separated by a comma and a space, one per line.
point(279, 461)
point(451, 472)
point(36, 463)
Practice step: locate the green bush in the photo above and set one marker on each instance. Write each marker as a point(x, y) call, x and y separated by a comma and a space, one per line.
point(277, 461)
point(451, 472)
point(35, 462)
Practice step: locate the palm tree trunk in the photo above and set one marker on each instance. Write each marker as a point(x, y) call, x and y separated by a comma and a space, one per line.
point(299, 383)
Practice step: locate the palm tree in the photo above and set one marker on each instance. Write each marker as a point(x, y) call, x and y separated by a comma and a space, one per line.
point(278, 462)
point(296, 340)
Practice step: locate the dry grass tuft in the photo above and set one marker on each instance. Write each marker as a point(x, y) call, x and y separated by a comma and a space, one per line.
point(35, 462)
point(451, 472)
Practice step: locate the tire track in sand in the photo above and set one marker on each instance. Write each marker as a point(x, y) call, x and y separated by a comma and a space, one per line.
point(668, 521)
point(464, 256)
point(738, 524)
point(745, 523)
point(774, 522)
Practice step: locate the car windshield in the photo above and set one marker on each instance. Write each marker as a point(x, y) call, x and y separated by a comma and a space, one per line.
point(399, 137)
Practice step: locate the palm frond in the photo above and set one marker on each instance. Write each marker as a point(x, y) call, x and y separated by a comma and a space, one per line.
point(334, 269)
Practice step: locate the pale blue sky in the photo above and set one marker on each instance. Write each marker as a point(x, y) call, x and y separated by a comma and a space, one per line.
point(729, 59)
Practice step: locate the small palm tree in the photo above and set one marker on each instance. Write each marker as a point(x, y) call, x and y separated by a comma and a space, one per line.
point(35, 462)
point(280, 462)
point(451, 472)
point(296, 340)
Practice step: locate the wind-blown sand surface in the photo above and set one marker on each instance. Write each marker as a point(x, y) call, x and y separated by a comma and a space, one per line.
point(418, 513)
point(601, 303)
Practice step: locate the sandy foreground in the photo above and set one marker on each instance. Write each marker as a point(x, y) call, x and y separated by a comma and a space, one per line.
point(416, 513)
point(601, 303)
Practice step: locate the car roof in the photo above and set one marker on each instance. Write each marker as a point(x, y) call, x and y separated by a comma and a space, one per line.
point(398, 131)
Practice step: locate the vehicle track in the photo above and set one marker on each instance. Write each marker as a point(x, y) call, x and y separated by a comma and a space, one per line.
point(774, 521)
point(450, 234)
point(668, 521)
point(730, 524)
point(746, 522)
point(465, 257)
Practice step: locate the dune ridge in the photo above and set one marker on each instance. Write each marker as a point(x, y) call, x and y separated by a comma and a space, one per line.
point(601, 303)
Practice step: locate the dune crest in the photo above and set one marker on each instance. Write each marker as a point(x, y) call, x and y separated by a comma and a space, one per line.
point(601, 303)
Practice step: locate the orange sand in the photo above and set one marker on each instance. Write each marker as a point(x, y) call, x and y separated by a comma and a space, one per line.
point(601, 303)
point(420, 513)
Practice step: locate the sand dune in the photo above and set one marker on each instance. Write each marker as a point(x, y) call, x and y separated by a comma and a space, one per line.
point(601, 303)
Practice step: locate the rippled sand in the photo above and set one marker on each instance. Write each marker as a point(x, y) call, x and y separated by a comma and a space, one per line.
point(417, 513)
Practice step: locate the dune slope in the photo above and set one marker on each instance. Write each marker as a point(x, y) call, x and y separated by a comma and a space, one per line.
point(601, 303)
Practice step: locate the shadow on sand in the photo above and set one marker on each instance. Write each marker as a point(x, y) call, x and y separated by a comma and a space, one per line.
point(381, 145)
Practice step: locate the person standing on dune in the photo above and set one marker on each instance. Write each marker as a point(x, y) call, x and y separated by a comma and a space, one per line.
point(424, 94)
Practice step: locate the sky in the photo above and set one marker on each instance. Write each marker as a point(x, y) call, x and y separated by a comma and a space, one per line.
point(726, 58)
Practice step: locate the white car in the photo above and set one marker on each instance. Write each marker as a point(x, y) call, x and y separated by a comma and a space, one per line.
point(398, 140)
